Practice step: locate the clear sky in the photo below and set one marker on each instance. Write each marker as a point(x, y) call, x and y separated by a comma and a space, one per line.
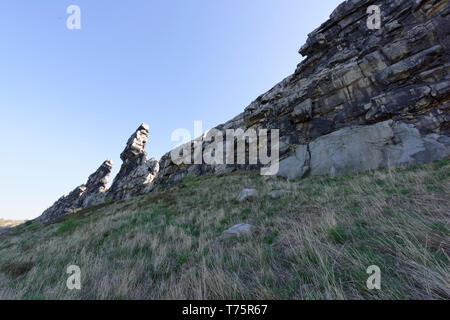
point(70, 99)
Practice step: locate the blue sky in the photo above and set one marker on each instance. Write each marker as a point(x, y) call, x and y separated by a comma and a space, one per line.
point(69, 99)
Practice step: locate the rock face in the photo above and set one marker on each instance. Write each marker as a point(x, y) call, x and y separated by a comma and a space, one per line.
point(95, 187)
point(296, 166)
point(136, 172)
point(360, 148)
point(382, 145)
point(89, 194)
point(354, 76)
point(361, 99)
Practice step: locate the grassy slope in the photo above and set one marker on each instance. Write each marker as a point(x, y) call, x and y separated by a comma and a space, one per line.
point(316, 242)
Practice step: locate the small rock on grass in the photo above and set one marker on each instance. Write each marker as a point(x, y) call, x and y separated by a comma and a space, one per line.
point(239, 230)
point(247, 194)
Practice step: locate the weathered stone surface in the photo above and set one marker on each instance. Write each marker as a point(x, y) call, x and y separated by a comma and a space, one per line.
point(136, 144)
point(247, 194)
point(96, 185)
point(361, 148)
point(353, 76)
point(410, 147)
point(383, 145)
point(136, 172)
point(296, 166)
point(91, 193)
point(405, 68)
point(238, 230)
point(351, 149)
point(302, 111)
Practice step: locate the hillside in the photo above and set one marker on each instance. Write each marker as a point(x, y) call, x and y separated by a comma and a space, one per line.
point(314, 242)
point(345, 164)
point(363, 98)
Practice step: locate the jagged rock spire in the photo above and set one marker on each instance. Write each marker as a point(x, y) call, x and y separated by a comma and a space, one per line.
point(99, 179)
point(136, 144)
point(96, 185)
point(136, 171)
point(81, 197)
point(135, 177)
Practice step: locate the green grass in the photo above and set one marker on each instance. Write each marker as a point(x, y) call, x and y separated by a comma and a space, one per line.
point(68, 225)
point(337, 235)
point(315, 242)
point(190, 181)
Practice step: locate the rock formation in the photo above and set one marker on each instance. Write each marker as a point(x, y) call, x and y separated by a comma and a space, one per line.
point(135, 177)
point(95, 187)
point(362, 99)
point(361, 148)
point(353, 76)
point(136, 172)
point(86, 195)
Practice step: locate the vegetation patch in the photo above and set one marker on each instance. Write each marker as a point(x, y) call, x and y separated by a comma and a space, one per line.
point(316, 242)
point(68, 225)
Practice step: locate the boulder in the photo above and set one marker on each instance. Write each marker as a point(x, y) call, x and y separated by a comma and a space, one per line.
point(239, 230)
point(296, 166)
point(247, 194)
point(382, 145)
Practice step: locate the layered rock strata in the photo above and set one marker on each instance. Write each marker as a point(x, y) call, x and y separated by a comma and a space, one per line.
point(354, 76)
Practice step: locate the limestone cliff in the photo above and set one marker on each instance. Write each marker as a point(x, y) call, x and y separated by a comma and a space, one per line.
point(362, 99)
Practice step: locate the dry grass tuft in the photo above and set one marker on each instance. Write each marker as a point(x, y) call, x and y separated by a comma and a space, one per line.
point(17, 269)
